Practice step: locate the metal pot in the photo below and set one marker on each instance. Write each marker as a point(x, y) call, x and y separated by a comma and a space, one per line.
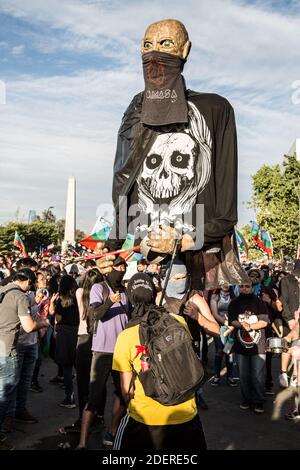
point(276, 345)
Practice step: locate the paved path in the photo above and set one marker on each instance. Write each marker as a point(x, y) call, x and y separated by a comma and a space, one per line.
point(225, 425)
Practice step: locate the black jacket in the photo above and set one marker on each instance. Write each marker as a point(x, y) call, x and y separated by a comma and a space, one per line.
point(289, 296)
point(219, 195)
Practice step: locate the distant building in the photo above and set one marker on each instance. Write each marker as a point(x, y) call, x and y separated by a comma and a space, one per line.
point(31, 216)
point(295, 149)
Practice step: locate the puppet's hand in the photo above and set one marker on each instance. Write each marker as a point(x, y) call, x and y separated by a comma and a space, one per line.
point(105, 264)
point(162, 239)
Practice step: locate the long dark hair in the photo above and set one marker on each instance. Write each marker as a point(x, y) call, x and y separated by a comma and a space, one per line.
point(91, 277)
point(67, 291)
point(54, 284)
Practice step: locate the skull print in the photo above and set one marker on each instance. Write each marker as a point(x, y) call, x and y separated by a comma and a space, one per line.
point(175, 170)
point(169, 167)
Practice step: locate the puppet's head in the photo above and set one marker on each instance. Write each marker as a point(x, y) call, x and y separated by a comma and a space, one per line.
point(167, 36)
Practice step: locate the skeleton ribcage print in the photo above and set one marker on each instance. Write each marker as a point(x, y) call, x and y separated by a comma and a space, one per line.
point(176, 170)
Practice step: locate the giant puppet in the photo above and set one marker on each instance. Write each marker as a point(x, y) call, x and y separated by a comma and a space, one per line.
point(175, 170)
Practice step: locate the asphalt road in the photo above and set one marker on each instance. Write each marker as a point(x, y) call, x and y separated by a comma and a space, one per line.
point(225, 425)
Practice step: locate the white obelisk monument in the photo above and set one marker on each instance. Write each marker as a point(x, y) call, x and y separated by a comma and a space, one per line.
point(70, 224)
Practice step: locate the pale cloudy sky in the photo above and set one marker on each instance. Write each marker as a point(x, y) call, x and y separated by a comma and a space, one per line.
point(71, 67)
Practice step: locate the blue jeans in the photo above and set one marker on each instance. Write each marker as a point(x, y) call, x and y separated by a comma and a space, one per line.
point(219, 354)
point(9, 378)
point(27, 355)
point(252, 377)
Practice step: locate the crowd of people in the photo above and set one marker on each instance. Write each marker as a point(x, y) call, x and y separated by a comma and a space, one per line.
point(88, 323)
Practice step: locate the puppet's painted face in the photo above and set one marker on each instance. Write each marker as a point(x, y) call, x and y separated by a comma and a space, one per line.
point(166, 36)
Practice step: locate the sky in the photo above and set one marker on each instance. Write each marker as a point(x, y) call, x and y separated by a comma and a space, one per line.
point(69, 69)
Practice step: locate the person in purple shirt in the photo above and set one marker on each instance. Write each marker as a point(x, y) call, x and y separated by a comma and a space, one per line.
point(109, 309)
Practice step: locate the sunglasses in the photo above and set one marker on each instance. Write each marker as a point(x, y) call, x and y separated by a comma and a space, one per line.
point(247, 286)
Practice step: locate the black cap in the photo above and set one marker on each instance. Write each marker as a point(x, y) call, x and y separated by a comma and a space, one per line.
point(29, 274)
point(141, 289)
point(119, 260)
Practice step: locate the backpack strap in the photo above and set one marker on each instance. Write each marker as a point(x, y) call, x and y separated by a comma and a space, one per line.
point(3, 294)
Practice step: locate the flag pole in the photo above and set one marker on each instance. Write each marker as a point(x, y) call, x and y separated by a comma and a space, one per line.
point(115, 252)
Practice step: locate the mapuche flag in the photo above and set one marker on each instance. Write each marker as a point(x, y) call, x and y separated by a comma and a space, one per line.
point(241, 242)
point(267, 242)
point(18, 242)
point(130, 255)
point(92, 241)
point(254, 229)
point(256, 241)
point(262, 242)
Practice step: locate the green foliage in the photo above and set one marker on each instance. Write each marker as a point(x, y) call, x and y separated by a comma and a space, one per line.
point(79, 235)
point(48, 216)
point(276, 199)
point(35, 235)
point(44, 231)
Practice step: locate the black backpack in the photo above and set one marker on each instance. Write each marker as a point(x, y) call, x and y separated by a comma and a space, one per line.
point(175, 371)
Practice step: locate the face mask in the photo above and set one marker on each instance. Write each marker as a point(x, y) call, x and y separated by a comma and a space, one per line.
point(176, 289)
point(164, 99)
point(224, 294)
point(115, 278)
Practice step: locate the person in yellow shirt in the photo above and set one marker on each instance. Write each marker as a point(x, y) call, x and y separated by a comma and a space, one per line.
point(148, 424)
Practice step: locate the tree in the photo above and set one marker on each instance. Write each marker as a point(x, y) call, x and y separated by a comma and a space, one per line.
point(79, 235)
point(276, 199)
point(48, 216)
point(35, 235)
point(44, 231)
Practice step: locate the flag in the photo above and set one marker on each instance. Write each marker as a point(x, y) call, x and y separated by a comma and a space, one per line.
point(241, 242)
point(130, 255)
point(254, 229)
point(92, 240)
point(261, 239)
point(267, 242)
point(256, 241)
point(19, 244)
